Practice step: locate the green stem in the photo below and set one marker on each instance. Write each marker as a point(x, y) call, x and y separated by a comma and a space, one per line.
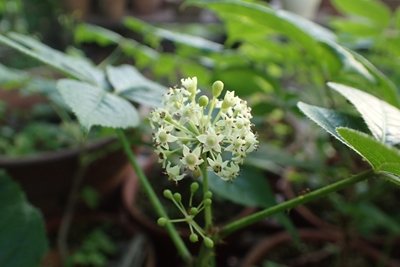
point(207, 208)
point(176, 239)
point(258, 216)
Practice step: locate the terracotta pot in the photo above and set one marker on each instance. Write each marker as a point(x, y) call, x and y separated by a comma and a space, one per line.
point(47, 177)
point(113, 9)
point(79, 8)
point(265, 247)
point(145, 6)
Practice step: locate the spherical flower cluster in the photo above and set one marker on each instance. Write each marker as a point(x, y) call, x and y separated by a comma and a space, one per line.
point(190, 130)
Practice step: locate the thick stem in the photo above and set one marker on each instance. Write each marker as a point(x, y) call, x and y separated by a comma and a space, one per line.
point(258, 216)
point(180, 245)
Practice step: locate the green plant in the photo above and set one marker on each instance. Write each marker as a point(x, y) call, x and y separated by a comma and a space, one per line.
point(100, 96)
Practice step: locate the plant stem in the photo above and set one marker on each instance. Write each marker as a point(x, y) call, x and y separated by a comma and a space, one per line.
point(207, 208)
point(176, 239)
point(258, 216)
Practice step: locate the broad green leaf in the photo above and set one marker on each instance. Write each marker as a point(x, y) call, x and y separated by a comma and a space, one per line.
point(381, 157)
point(180, 38)
point(329, 119)
point(372, 10)
point(348, 60)
point(131, 84)
point(356, 28)
point(382, 119)
point(76, 67)
point(91, 33)
point(96, 107)
point(250, 188)
point(23, 240)
point(293, 26)
point(275, 159)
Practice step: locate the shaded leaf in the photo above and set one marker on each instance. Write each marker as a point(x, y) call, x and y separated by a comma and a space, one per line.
point(23, 239)
point(76, 67)
point(131, 84)
point(248, 189)
point(381, 157)
point(95, 106)
point(382, 119)
point(330, 119)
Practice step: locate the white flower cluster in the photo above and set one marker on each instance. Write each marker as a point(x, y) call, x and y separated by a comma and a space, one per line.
point(191, 130)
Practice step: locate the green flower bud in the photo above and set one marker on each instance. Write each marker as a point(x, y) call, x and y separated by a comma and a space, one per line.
point(207, 202)
point(193, 238)
point(194, 187)
point(193, 211)
point(177, 197)
point(203, 101)
point(208, 194)
point(217, 88)
point(162, 221)
point(208, 242)
point(167, 194)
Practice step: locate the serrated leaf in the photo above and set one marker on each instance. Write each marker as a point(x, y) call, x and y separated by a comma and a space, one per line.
point(95, 106)
point(381, 157)
point(131, 84)
point(75, 67)
point(23, 240)
point(329, 119)
point(382, 119)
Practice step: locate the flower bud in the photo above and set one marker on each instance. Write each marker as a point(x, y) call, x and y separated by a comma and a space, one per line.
point(193, 211)
point(194, 187)
point(193, 238)
point(203, 101)
point(208, 194)
point(167, 194)
point(217, 88)
point(177, 197)
point(208, 242)
point(207, 202)
point(162, 221)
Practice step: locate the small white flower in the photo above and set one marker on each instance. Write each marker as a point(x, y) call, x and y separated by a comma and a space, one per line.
point(191, 159)
point(218, 164)
point(229, 173)
point(164, 136)
point(210, 140)
point(190, 84)
point(174, 172)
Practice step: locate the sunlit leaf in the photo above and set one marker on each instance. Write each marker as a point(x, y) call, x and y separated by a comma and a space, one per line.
point(131, 84)
point(381, 157)
point(95, 106)
point(23, 238)
point(382, 119)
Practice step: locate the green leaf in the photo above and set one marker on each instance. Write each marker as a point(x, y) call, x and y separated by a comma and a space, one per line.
point(91, 33)
point(23, 240)
point(329, 119)
point(381, 157)
point(295, 27)
point(250, 188)
point(95, 106)
point(382, 119)
point(179, 38)
point(371, 10)
point(76, 67)
point(131, 84)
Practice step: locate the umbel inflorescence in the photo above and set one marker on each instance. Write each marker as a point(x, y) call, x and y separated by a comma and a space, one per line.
point(191, 130)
